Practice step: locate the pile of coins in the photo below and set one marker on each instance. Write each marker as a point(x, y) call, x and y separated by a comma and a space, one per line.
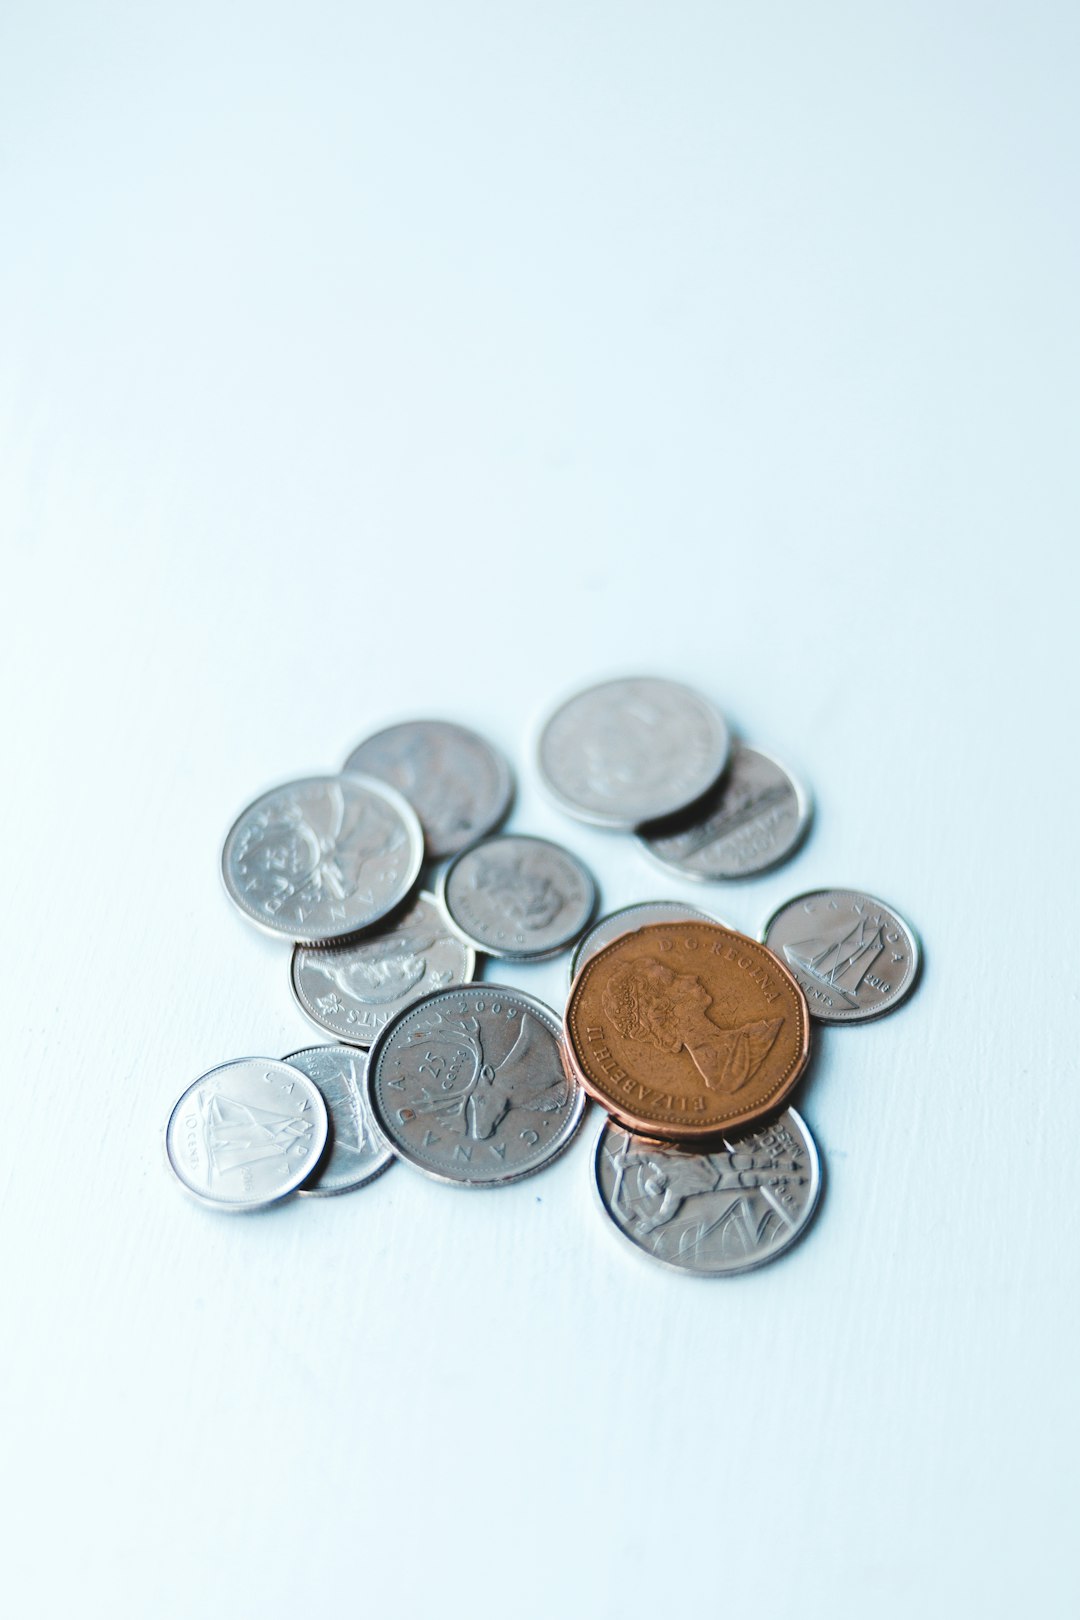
point(689, 1035)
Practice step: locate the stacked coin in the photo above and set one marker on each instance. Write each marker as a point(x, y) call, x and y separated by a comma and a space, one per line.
point(689, 1035)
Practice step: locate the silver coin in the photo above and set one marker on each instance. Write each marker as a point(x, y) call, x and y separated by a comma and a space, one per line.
point(854, 957)
point(752, 820)
point(246, 1134)
point(710, 1214)
point(352, 991)
point(357, 1151)
point(320, 859)
point(632, 750)
point(469, 1086)
point(457, 783)
point(518, 897)
point(624, 921)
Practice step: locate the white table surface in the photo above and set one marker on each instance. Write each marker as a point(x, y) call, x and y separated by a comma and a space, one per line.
point(367, 361)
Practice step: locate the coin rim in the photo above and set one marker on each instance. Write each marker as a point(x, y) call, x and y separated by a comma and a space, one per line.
point(397, 802)
point(623, 1237)
point(577, 1112)
point(500, 955)
point(262, 1203)
point(661, 1131)
point(381, 1165)
point(423, 894)
point(504, 772)
point(635, 905)
point(883, 1010)
point(804, 804)
point(598, 818)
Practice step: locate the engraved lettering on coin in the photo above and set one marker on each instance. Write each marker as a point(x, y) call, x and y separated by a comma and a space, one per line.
point(752, 820)
point(515, 896)
point(646, 1001)
point(715, 1213)
point(469, 1086)
point(854, 957)
point(686, 1030)
point(357, 1151)
point(457, 783)
point(320, 859)
point(629, 751)
point(353, 991)
point(247, 1133)
point(624, 921)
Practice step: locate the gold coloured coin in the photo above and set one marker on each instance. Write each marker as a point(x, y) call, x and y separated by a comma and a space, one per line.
point(686, 1030)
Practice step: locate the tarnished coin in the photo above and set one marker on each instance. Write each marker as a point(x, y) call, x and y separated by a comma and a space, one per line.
point(246, 1134)
point(356, 1149)
point(712, 1213)
point(459, 786)
point(687, 1030)
point(632, 750)
point(518, 897)
point(469, 1086)
point(354, 990)
point(624, 921)
point(854, 957)
point(320, 859)
point(752, 820)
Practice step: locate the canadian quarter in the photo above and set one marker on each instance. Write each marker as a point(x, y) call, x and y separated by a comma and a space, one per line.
point(712, 1213)
point(632, 750)
point(625, 920)
point(458, 784)
point(356, 1149)
point(322, 858)
point(352, 991)
point(855, 958)
point(755, 817)
point(246, 1133)
point(518, 897)
point(469, 1086)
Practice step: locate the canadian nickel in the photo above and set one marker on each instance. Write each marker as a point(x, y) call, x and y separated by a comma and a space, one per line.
point(469, 1086)
point(323, 858)
point(518, 897)
point(715, 1213)
point(632, 750)
point(854, 957)
point(625, 920)
point(755, 817)
point(458, 784)
point(246, 1133)
point(353, 991)
point(356, 1149)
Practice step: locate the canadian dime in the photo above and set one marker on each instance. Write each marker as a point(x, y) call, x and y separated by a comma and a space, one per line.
point(625, 920)
point(713, 1213)
point(320, 859)
point(357, 1151)
point(518, 897)
point(632, 750)
point(246, 1133)
point(457, 783)
point(854, 957)
point(752, 820)
point(352, 991)
point(469, 1086)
